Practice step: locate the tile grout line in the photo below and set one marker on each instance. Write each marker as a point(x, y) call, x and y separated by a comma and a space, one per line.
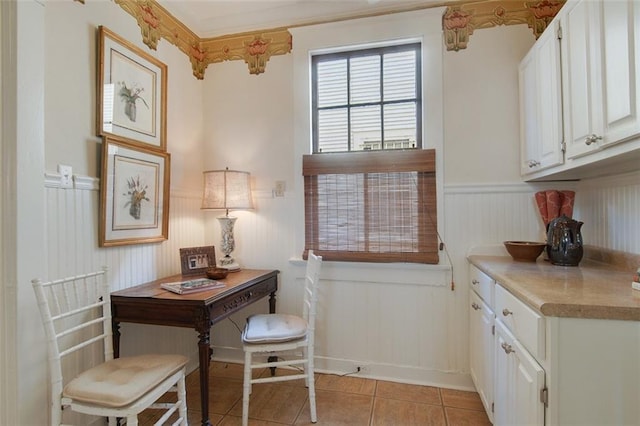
point(373, 403)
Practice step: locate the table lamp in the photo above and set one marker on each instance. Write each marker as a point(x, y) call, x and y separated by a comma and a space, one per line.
point(227, 190)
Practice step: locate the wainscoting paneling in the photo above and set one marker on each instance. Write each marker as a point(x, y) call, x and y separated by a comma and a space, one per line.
point(610, 210)
point(72, 238)
point(399, 322)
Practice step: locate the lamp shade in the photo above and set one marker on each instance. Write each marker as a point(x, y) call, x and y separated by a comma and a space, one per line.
point(226, 190)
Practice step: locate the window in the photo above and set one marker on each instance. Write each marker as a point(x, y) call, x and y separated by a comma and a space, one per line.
point(371, 206)
point(370, 191)
point(367, 100)
point(312, 44)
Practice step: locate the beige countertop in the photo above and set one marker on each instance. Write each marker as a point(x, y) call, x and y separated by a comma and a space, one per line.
point(591, 290)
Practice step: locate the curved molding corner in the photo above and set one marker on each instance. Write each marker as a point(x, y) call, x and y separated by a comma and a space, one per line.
point(460, 21)
point(255, 48)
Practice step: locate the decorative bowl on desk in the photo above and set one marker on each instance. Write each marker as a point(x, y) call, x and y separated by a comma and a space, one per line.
point(217, 273)
point(524, 251)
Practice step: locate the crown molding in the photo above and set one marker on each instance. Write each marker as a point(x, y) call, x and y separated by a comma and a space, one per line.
point(459, 21)
point(255, 48)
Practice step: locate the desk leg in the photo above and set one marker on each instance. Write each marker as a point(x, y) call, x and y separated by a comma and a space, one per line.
point(272, 310)
point(272, 303)
point(115, 330)
point(204, 356)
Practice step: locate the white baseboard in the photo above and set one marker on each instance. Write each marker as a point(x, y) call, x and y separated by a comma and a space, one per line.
point(370, 370)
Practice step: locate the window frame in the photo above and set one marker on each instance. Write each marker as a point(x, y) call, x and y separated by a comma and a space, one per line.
point(415, 46)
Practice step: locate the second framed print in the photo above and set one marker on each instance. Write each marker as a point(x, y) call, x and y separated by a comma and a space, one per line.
point(134, 199)
point(132, 92)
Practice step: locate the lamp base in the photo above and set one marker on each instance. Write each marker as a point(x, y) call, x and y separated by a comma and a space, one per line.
point(229, 263)
point(227, 244)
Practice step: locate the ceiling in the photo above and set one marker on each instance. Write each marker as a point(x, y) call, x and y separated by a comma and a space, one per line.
point(212, 18)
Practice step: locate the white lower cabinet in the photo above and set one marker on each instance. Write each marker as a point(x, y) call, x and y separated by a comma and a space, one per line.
point(519, 382)
point(481, 347)
point(481, 335)
point(531, 369)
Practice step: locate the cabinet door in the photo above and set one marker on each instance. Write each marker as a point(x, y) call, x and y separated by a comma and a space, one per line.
point(601, 49)
point(541, 104)
point(619, 42)
point(529, 139)
point(550, 98)
point(519, 380)
point(481, 350)
point(583, 105)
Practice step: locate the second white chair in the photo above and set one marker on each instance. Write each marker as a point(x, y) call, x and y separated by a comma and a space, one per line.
point(273, 334)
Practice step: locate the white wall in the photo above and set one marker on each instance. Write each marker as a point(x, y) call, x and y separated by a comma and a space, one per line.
point(54, 229)
point(481, 106)
point(23, 125)
point(70, 79)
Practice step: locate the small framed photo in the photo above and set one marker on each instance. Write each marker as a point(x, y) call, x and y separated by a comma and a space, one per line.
point(196, 260)
point(134, 199)
point(132, 92)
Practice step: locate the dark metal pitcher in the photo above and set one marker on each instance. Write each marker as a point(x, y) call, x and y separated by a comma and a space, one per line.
point(564, 241)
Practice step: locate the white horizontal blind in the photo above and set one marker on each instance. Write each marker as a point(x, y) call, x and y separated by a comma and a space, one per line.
point(367, 100)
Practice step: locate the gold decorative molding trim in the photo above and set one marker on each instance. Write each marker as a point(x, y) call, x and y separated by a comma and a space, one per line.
point(459, 21)
point(255, 48)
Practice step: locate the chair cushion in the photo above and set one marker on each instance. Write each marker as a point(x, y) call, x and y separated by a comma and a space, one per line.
point(121, 381)
point(274, 328)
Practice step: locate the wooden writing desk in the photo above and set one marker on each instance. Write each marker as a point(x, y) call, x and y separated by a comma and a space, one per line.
point(150, 304)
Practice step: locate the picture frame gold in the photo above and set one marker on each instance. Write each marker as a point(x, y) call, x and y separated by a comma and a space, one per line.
point(196, 260)
point(134, 194)
point(132, 92)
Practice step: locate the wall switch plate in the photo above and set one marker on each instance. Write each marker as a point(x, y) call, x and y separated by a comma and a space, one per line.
point(278, 190)
point(66, 176)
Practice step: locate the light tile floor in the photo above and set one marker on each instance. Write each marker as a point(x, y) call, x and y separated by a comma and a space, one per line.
point(341, 400)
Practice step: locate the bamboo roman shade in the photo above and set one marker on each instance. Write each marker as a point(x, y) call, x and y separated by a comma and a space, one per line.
point(377, 206)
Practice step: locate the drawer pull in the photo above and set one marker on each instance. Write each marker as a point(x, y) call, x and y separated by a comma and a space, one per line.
point(474, 282)
point(506, 312)
point(507, 348)
point(475, 306)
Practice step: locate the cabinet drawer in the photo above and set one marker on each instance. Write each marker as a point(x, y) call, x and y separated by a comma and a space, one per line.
point(526, 325)
point(482, 284)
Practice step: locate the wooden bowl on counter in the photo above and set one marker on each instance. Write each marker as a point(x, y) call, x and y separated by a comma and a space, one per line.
point(524, 251)
point(217, 273)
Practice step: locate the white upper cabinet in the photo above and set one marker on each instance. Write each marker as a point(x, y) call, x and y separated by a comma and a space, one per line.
point(620, 62)
point(541, 134)
point(601, 94)
point(582, 103)
point(598, 74)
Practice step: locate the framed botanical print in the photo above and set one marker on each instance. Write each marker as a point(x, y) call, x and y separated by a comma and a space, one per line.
point(132, 92)
point(134, 205)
